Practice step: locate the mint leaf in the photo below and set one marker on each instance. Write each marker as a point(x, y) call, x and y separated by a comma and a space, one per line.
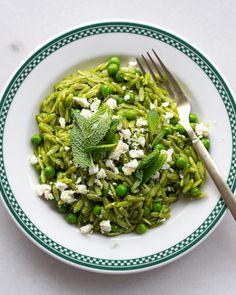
point(148, 168)
point(98, 125)
point(156, 166)
point(112, 132)
point(152, 119)
point(158, 137)
point(138, 181)
point(100, 148)
point(88, 133)
point(81, 121)
point(80, 157)
point(148, 160)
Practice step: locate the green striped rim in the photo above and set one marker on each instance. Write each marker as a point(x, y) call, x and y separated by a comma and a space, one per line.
point(9, 94)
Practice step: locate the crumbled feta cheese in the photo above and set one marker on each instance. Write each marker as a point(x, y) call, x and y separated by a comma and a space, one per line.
point(152, 106)
point(132, 63)
point(136, 154)
point(141, 122)
point(33, 160)
point(112, 103)
point(167, 117)
point(93, 170)
point(110, 164)
point(123, 87)
point(82, 189)
point(165, 104)
point(169, 153)
point(202, 129)
point(86, 229)
point(86, 113)
point(66, 148)
point(67, 196)
point(127, 97)
point(98, 182)
point(141, 140)
point(130, 167)
point(125, 134)
point(61, 186)
point(105, 226)
point(62, 122)
point(95, 105)
point(181, 175)
point(120, 149)
point(79, 179)
point(101, 174)
point(44, 190)
point(169, 188)
point(81, 101)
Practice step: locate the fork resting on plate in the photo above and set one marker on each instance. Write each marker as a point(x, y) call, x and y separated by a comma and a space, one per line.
point(183, 107)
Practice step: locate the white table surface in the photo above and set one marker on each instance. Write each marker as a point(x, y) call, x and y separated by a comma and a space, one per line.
point(211, 267)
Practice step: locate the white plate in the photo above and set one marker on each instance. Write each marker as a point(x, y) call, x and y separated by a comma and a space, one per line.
point(87, 45)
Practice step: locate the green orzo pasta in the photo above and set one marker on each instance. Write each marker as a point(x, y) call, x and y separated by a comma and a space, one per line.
point(111, 152)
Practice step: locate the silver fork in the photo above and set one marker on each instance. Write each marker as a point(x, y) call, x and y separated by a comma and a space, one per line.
point(184, 107)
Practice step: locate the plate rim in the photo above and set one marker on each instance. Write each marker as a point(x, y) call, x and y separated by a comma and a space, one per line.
point(146, 27)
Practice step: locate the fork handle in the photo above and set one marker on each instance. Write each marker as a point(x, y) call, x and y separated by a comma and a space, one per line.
point(216, 176)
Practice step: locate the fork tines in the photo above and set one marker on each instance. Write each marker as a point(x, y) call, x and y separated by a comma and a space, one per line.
point(159, 67)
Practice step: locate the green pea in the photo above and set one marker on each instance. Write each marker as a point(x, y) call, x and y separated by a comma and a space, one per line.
point(49, 171)
point(168, 131)
point(121, 190)
point(71, 218)
point(131, 115)
point(105, 90)
point(112, 69)
point(97, 210)
point(181, 163)
point(206, 142)
point(173, 121)
point(195, 192)
point(120, 76)
point(141, 228)
point(115, 228)
point(179, 128)
point(114, 60)
point(36, 139)
point(130, 97)
point(120, 100)
point(193, 118)
point(37, 168)
point(61, 209)
point(159, 147)
point(146, 212)
point(156, 207)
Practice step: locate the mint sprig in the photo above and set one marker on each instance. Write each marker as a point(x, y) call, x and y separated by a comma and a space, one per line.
point(88, 133)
